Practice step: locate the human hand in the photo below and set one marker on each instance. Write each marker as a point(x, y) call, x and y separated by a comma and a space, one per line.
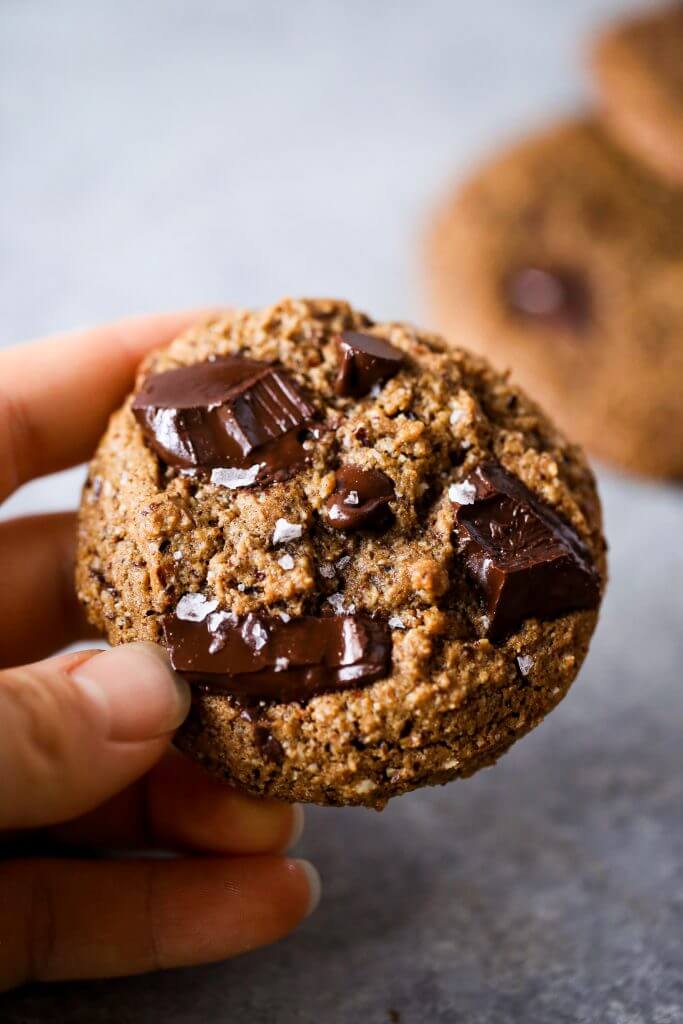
point(84, 738)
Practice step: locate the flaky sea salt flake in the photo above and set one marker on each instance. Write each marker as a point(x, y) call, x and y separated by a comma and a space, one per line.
point(337, 602)
point(463, 493)
point(526, 663)
point(194, 608)
point(233, 478)
point(284, 531)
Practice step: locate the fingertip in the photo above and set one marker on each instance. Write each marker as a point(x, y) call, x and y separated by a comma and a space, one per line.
point(313, 883)
point(138, 690)
point(183, 692)
point(296, 828)
point(190, 809)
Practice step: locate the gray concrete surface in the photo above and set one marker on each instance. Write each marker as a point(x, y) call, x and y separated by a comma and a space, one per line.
point(163, 154)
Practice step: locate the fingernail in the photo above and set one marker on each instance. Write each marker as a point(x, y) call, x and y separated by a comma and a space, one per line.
point(314, 884)
point(297, 828)
point(137, 689)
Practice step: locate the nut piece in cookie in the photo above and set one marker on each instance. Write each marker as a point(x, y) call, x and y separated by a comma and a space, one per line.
point(371, 587)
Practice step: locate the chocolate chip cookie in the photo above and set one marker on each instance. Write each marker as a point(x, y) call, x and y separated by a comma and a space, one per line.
point(376, 560)
point(638, 66)
point(562, 259)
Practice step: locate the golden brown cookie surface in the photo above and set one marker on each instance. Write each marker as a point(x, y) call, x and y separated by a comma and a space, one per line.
point(562, 258)
point(412, 454)
point(639, 72)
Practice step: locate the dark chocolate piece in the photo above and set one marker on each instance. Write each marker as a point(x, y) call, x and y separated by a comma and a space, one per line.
point(265, 658)
point(361, 498)
point(271, 748)
point(364, 360)
point(253, 711)
point(229, 414)
point(552, 296)
point(526, 560)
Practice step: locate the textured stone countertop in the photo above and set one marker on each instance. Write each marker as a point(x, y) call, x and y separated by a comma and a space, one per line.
point(165, 154)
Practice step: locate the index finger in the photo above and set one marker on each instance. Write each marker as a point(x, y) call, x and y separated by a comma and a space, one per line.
point(64, 919)
point(56, 394)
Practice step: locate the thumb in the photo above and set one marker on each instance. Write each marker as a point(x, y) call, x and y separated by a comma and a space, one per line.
point(76, 729)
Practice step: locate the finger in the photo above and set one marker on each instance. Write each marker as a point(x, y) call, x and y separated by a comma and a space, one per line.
point(56, 394)
point(75, 730)
point(39, 610)
point(84, 919)
point(179, 806)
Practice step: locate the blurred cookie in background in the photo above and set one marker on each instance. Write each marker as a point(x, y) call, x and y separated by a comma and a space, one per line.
point(638, 66)
point(562, 259)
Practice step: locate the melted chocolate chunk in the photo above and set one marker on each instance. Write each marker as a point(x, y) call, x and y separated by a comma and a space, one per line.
point(229, 414)
point(525, 559)
point(265, 658)
point(364, 360)
point(555, 297)
point(361, 498)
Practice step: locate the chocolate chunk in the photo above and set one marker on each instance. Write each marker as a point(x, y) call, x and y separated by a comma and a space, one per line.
point(554, 297)
point(231, 414)
point(253, 710)
point(265, 658)
point(270, 747)
point(361, 498)
point(364, 360)
point(525, 559)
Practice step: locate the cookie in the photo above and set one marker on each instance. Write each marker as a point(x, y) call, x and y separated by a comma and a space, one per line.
point(562, 259)
point(376, 561)
point(638, 68)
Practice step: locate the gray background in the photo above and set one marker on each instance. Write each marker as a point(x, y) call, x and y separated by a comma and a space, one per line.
point(162, 154)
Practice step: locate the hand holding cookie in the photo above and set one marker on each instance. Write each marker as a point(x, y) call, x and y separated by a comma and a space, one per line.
point(84, 738)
